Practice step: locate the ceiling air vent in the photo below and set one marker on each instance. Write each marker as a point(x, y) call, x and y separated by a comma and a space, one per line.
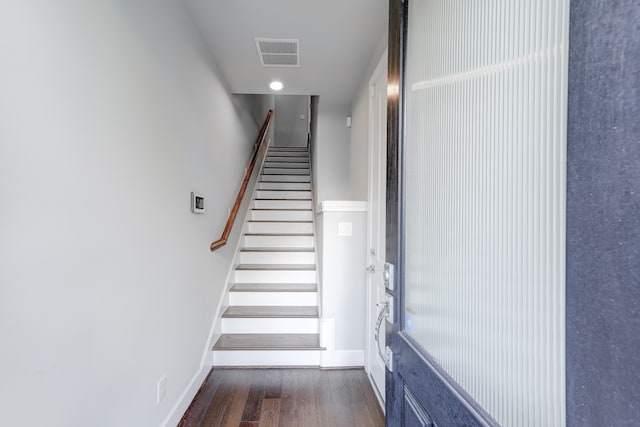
point(278, 52)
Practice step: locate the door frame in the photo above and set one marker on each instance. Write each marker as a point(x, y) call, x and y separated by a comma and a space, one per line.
point(370, 344)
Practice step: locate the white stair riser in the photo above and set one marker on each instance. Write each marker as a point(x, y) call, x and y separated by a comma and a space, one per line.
point(268, 215)
point(266, 358)
point(275, 276)
point(286, 164)
point(300, 186)
point(286, 171)
point(277, 258)
point(283, 204)
point(286, 178)
point(267, 194)
point(273, 298)
point(278, 242)
point(295, 159)
point(280, 227)
point(296, 325)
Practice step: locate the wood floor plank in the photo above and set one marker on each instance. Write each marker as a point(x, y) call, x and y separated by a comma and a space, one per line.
point(326, 416)
point(371, 401)
point(234, 415)
point(289, 399)
point(273, 386)
point(286, 398)
point(201, 402)
point(357, 400)
point(307, 382)
point(253, 406)
point(340, 399)
point(270, 413)
point(222, 400)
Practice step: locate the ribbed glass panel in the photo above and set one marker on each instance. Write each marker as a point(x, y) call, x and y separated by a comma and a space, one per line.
point(486, 95)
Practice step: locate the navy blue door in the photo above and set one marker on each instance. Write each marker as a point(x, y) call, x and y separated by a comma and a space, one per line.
point(418, 392)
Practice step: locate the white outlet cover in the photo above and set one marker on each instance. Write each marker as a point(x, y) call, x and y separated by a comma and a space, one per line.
point(345, 229)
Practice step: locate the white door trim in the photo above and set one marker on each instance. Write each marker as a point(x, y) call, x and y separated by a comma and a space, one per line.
point(374, 226)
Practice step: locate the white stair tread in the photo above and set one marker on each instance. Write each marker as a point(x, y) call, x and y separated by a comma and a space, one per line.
point(274, 287)
point(279, 234)
point(283, 172)
point(286, 191)
point(268, 342)
point(281, 221)
point(292, 186)
point(272, 249)
point(282, 198)
point(268, 311)
point(281, 209)
point(288, 267)
point(283, 194)
point(286, 178)
point(289, 162)
point(283, 204)
point(276, 164)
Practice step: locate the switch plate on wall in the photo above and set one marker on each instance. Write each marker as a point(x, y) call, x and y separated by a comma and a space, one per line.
point(345, 229)
point(197, 203)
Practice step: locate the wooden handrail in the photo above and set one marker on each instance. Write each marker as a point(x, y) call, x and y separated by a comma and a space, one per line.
point(262, 135)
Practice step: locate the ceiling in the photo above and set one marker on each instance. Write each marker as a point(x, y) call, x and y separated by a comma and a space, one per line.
point(338, 41)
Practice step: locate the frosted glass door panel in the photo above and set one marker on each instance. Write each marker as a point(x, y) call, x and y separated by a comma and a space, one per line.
point(485, 154)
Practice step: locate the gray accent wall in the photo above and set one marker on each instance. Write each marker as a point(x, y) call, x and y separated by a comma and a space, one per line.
point(603, 215)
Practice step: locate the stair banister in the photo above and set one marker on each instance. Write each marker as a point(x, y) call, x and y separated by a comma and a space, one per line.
point(262, 136)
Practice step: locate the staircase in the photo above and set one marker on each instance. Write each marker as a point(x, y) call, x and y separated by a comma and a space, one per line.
point(272, 318)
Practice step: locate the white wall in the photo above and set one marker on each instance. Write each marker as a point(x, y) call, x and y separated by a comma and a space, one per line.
point(331, 150)
point(257, 106)
point(111, 113)
point(290, 129)
point(359, 146)
point(343, 282)
point(359, 154)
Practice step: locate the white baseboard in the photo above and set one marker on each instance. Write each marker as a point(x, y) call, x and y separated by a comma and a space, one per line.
point(186, 398)
point(341, 358)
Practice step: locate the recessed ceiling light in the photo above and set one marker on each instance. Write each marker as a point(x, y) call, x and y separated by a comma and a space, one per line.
point(276, 85)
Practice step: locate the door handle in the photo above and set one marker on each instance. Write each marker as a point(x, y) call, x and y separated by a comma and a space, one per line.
point(385, 313)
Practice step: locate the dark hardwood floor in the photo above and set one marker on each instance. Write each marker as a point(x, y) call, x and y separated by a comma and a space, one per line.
point(284, 397)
